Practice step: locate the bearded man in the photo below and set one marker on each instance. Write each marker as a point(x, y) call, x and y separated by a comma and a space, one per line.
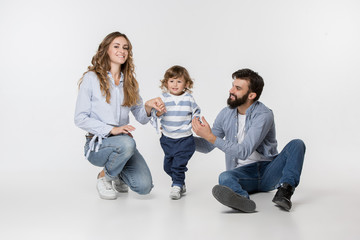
point(245, 132)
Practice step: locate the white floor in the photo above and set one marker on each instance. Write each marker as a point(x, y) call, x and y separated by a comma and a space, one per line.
point(63, 204)
point(307, 51)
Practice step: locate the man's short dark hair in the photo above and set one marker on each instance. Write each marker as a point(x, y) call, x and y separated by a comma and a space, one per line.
point(256, 83)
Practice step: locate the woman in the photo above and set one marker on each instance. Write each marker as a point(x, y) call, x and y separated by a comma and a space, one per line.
point(108, 91)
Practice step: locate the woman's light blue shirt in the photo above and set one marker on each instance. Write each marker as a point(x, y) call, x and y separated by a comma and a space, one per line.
point(94, 115)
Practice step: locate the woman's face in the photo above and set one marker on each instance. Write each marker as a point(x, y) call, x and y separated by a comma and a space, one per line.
point(118, 51)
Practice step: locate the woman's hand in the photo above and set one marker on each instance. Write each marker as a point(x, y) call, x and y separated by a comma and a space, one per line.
point(156, 103)
point(123, 129)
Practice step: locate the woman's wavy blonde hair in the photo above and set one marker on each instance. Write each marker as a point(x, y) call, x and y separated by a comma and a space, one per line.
point(101, 65)
point(176, 72)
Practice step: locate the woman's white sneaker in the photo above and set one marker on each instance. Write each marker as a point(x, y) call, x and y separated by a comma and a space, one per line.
point(120, 186)
point(105, 189)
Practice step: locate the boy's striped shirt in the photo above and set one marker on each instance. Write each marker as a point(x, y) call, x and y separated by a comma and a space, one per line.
point(180, 110)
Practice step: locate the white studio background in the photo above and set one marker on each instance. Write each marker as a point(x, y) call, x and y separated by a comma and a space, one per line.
point(308, 53)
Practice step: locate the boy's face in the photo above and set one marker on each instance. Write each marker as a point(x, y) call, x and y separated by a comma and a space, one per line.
point(176, 86)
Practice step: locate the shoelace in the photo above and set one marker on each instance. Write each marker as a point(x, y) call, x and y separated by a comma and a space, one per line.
point(176, 190)
point(107, 184)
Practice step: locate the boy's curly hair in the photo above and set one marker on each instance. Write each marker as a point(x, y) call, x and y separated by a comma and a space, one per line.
point(176, 72)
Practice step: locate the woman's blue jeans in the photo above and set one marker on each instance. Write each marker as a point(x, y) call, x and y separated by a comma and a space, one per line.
point(266, 176)
point(120, 158)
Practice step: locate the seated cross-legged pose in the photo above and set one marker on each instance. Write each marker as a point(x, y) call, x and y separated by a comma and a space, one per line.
point(245, 132)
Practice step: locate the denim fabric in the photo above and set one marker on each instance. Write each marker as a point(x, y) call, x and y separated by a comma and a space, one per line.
point(177, 154)
point(120, 158)
point(266, 176)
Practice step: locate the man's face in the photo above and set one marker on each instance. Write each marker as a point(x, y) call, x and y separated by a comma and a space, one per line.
point(239, 93)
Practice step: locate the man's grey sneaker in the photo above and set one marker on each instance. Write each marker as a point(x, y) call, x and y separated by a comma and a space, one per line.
point(120, 186)
point(283, 195)
point(177, 192)
point(231, 199)
point(105, 189)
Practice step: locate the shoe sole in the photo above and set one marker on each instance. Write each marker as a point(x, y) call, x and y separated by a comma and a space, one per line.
point(233, 200)
point(175, 198)
point(120, 191)
point(108, 198)
point(283, 204)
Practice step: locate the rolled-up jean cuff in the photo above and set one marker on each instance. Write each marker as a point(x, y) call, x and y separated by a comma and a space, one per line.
point(108, 177)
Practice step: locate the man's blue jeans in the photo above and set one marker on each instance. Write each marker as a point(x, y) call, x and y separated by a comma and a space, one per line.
point(120, 158)
point(266, 176)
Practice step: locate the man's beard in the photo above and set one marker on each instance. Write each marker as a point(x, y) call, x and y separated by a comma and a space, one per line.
point(238, 101)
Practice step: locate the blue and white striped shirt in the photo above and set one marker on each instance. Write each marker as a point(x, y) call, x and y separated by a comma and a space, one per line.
point(180, 110)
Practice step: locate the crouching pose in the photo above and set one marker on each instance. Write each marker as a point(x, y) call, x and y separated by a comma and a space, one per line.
point(108, 92)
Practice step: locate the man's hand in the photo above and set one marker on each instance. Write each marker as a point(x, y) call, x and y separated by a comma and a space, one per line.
point(203, 129)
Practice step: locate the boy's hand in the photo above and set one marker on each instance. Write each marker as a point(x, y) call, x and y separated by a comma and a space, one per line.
point(158, 114)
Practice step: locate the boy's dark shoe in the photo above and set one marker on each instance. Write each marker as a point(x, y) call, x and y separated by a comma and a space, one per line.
point(283, 195)
point(231, 199)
